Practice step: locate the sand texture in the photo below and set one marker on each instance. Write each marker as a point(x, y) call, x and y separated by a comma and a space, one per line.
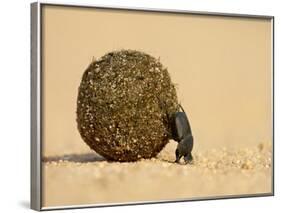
point(90, 179)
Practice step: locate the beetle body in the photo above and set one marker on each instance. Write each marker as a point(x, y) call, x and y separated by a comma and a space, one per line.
point(181, 132)
point(180, 126)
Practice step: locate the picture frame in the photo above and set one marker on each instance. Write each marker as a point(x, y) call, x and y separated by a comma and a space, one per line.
point(38, 103)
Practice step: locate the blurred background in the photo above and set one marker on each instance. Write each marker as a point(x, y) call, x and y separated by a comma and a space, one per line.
point(221, 67)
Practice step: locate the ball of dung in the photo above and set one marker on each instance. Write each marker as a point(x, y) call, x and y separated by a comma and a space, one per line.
point(124, 103)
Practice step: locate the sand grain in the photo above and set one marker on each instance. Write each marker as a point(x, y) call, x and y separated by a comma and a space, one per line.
point(89, 179)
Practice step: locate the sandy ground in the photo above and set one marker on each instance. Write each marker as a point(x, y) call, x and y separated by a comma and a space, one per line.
point(87, 178)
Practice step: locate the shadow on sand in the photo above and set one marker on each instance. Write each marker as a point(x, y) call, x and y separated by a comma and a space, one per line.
point(77, 158)
point(85, 158)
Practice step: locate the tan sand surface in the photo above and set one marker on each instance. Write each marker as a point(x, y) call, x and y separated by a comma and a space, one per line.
point(87, 178)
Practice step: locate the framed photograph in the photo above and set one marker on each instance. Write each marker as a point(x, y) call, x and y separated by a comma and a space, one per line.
point(140, 105)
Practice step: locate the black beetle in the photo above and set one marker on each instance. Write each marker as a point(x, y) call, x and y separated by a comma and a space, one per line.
point(181, 132)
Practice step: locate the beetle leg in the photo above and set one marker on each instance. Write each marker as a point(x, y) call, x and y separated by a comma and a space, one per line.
point(169, 135)
point(188, 158)
point(178, 157)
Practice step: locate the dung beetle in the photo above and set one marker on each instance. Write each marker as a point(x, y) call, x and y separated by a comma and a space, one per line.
point(181, 132)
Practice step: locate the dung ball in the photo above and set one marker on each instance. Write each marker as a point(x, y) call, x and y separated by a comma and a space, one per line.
point(125, 100)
